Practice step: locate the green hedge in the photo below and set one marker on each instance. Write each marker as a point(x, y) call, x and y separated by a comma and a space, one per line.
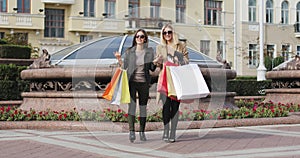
point(249, 87)
point(11, 90)
point(11, 84)
point(15, 51)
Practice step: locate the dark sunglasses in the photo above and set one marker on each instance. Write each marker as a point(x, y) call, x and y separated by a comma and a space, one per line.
point(167, 32)
point(140, 36)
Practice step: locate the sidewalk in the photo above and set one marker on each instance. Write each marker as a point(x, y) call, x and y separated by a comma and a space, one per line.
point(282, 141)
point(242, 138)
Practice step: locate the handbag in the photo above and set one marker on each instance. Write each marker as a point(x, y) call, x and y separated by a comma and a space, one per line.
point(189, 82)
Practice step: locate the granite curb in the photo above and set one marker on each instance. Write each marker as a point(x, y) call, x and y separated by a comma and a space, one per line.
point(293, 118)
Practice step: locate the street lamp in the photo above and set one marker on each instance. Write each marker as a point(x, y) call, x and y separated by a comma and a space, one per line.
point(261, 70)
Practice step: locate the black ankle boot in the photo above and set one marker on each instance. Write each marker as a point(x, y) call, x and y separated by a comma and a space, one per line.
point(131, 136)
point(143, 136)
point(166, 132)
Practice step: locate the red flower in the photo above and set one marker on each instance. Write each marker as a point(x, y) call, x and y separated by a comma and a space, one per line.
point(126, 115)
point(8, 109)
point(119, 110)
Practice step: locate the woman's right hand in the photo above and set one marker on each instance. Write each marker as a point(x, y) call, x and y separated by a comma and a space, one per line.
point(118, 57)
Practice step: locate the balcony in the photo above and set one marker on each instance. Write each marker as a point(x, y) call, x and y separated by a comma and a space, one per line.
point(21, 21)
point(146, 23)
point(59, 1)
point(91, 24)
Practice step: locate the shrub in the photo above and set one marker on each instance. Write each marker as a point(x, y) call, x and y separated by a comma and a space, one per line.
point(11, 84)
point(15, 51)
point(248, 87)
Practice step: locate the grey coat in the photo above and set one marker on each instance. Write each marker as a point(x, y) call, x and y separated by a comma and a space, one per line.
point(130, 63)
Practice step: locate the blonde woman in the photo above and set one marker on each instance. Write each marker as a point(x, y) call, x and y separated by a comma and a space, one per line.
point(172, 50)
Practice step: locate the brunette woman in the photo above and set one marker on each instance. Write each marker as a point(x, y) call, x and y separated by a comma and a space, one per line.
point(138, 61)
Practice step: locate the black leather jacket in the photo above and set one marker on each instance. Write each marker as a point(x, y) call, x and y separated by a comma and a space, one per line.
point(130, 63)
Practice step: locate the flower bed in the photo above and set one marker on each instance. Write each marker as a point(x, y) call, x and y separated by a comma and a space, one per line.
point(247, 109)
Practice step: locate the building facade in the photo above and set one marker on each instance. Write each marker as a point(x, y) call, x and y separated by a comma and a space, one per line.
point(228, 27)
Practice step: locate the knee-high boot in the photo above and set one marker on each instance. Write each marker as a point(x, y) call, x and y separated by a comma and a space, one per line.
point(174, 122)
point(131, 121)
point(166, 132)
point(143, 117)
point(142, 128)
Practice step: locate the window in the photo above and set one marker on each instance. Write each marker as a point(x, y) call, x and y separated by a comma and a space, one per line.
point(23, 6)
point(252, 11)
point(220, 47)
point(204, 46)
point(110, 8)
point(133, 8)
point(213, 12)
point(3, 6)
point(269, 11)
point(84, 38)
point(285, 51)
point(21, 38)
point(154, 8)
point(253, 56)
point(270, 50)
point(284, 12)
point(180, 11)
point(89, 8)
point(2, 34)
point(54, 23)
point(297, 24)
point(298, 50)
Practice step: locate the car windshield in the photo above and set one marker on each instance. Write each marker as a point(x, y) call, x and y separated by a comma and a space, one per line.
point(103, 48)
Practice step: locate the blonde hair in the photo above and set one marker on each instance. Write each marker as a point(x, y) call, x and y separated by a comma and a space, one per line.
point(174, 35)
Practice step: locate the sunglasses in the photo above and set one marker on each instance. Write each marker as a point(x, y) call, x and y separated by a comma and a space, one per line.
point(140, 36)
point(167, 32)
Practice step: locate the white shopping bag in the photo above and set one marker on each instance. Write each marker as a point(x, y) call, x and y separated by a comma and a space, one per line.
point(189, 82)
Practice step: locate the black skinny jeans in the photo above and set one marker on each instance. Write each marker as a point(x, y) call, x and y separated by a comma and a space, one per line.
point(142, 89)
point(170, 108)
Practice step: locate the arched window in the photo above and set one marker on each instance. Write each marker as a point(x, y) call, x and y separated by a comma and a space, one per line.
point(284, 12)
point(252, 10)
point(269, 11)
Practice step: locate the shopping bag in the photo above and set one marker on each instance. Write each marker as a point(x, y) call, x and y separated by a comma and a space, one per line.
point(116, 98)
point(170, 84)
point(162, 86)
point(109, 90)
point(189, 82)
point(125, 96)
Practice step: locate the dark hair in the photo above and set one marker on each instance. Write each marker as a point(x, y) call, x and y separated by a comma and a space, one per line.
point(145, 41)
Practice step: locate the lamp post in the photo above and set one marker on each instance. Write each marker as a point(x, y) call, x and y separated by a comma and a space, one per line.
point(261, 70)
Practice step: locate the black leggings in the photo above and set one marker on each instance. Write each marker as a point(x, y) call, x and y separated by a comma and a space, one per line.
point(142, 88)
point(170, 108)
